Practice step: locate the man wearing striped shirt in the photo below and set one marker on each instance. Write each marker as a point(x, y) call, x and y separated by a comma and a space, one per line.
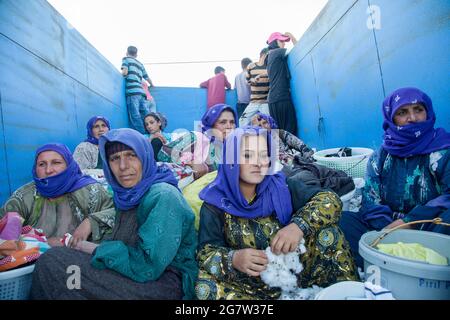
point(134, 73)
point(259, 88)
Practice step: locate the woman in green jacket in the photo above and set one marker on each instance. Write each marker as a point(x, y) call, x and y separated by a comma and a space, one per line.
point(151, 253)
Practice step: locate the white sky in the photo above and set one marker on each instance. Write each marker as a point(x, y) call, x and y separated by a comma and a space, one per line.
point(186, 30)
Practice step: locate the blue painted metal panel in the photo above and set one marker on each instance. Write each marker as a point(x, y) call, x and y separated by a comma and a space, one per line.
point(304, 92)
point(355, 67)
point(38, 27)
point(348, 82)
point(324, 22)
point(184, 106)
point(414, 46)
point(52, 81)
point(4, 174)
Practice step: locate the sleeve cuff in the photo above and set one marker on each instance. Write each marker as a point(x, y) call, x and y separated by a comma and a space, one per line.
point(230, 269)
point(303, 225)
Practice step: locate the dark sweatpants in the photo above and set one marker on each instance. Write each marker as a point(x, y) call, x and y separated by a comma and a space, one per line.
point(283, 112)
point(50, 279)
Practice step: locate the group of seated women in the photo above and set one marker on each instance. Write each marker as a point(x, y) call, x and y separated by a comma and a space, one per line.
point(139, 241)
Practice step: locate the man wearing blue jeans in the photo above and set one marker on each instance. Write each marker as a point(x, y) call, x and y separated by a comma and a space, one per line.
point(134, 73)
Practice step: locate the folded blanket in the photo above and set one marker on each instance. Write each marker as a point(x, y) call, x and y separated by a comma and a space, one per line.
point(19, 245)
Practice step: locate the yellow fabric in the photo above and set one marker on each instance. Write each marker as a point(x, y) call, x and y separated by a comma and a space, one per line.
point(191, 194)
point(413, 251)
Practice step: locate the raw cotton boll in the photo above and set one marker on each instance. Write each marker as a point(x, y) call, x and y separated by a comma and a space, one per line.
point(282, 269)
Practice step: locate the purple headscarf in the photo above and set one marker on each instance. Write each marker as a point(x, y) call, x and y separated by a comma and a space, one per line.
point(69, 180)
point(128, 198)
point(413, 139)
point(272, 194)
point(271, 121)
point(213, 113)
point(90, 125)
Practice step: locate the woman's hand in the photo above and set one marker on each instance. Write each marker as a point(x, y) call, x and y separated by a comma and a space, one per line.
point(287, 239)
point(199, 169)
point(81, 233)
point(159, 136)
point(54, 242)
point(396, 223)
point(250, 261)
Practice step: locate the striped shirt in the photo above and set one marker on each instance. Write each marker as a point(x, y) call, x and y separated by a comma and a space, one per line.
point(258, 91)
point(133, 80)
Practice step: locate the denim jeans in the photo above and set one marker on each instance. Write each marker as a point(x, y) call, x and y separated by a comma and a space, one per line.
point(137, 109)
point(251, 110)
point(151, 105)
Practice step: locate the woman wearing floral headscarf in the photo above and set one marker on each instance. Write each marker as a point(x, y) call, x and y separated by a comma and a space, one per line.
point(151, 251)
point(202, 151)
point(61, 199)
point(289, 145)
point(249, 207)
point(408, 179)
point(86, 154)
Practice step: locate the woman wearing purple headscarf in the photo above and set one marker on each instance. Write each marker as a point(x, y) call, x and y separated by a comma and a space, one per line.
point(204, 148)
point(408, 179)
point(289, 145)
point(249, 207)
point(150, 253)
point(86, 154)
point(61, 199)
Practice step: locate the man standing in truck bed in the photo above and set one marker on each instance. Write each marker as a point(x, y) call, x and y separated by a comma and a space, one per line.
point(134, 73)
point(216, 87)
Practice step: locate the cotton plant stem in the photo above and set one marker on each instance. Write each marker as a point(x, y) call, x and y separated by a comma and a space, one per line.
point(434, 221)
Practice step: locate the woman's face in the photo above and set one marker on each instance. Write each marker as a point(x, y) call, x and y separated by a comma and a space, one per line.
point(410, 113)
point(49, 163)
point(99, 128)
point(126, 167)
point(224, 125)
point(260, 122)
point(152, 125)
point(254, 159)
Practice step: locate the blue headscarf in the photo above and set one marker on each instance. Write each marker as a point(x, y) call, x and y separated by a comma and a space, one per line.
point(272, 194)
point(128, 198)
point(69, 180)
point(413, 139)
point(210, 117)
point(271, 121)
point(90, 125)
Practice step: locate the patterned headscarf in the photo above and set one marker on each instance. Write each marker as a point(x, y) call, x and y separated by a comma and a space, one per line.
point(210, 117)
point(416, 138)
point(271, 121)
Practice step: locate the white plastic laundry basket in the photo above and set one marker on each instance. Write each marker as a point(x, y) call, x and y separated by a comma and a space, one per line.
point(355, 166)
point(16, 284)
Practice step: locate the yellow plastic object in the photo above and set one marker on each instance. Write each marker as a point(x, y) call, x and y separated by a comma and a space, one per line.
point(413, 251)
point(191, 192)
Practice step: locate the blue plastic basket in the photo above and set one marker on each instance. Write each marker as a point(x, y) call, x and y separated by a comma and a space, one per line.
point(16, 284)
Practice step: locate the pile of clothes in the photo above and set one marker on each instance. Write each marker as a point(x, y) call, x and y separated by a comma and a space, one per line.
point(19, 245)
point(313, 174)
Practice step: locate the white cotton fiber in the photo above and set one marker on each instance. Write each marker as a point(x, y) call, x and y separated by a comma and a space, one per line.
point(281, 273)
